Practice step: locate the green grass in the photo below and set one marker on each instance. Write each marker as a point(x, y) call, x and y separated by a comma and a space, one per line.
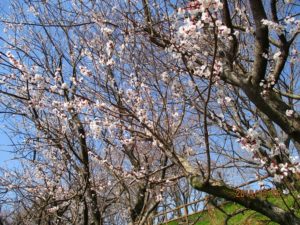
point(216, 217)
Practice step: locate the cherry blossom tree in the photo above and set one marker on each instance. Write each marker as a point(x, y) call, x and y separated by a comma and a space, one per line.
point(115, 103)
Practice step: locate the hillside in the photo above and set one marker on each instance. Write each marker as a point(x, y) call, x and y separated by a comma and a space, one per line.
point(233, 214)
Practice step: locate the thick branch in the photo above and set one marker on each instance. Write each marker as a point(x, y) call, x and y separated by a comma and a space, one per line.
point(233, 47)
point(275, 109)
point(275, 19)
point(261, 41)
point(221, 190)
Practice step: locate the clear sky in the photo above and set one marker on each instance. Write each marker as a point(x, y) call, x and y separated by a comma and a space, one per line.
point(4, 147)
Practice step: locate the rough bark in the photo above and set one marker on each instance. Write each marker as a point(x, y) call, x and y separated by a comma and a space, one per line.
point(218, 189)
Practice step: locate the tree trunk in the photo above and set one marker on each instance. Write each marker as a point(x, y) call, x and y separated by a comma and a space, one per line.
point(218, 189)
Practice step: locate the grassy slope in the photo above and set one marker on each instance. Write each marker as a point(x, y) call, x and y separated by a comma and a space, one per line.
point(216, 217)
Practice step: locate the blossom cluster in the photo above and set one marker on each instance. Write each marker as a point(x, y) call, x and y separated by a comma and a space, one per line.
point(275, 26)
point(251, 142)
point(197, 6)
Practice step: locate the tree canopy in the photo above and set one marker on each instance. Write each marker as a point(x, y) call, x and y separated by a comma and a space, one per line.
point(117, 106)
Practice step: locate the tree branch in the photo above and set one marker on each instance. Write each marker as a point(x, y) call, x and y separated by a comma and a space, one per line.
point(261, 41)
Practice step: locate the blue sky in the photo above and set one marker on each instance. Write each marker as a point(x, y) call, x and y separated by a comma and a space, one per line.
point(4, 147)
